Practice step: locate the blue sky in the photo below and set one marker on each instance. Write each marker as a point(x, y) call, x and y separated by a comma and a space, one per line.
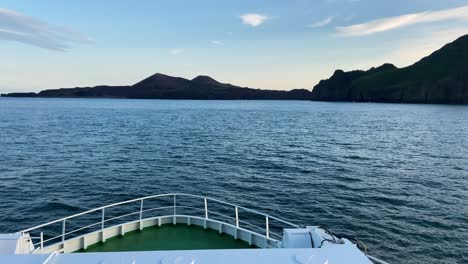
point(264, 44)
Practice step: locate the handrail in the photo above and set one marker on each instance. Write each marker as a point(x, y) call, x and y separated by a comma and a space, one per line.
point(376, 260)
point(102, 210)
point(156, 196)
point(49, 258)
point(241, 207)
point(95, 210)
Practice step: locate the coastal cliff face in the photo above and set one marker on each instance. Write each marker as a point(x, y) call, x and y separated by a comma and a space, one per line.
point(441, 77)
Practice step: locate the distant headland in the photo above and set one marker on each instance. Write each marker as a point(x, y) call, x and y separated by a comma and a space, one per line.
point(441, 78)
point(160, 86)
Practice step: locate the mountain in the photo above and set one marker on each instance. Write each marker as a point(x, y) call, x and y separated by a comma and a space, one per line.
point(441, 77)
point(160, 86)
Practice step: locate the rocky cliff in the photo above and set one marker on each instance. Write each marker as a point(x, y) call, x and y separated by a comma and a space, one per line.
point(441, 77)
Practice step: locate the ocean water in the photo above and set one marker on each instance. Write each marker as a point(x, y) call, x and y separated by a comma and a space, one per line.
point(392, 175)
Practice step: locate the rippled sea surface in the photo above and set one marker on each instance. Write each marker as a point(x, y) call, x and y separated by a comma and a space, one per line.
point(392, 175)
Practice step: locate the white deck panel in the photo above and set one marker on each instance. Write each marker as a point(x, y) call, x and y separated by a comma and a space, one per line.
point(325, 255)
point(8, 243)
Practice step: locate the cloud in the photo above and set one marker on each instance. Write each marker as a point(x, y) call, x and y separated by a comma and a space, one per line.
point(217, 42)
point(409, 49)
point(253, 20)
point(414, 48)
point(322, 23)
point(29, 30)
point(176, 51)
point(386, 24)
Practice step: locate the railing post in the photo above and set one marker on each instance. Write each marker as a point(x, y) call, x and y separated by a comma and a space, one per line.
point(175, 210)
point(42, 242)
point(103, 212)
point(141, 209)
point(206, 209)
point(267, 227)
point(141, 215)
point(102, 224)
point(63, 230)
point(237, 217)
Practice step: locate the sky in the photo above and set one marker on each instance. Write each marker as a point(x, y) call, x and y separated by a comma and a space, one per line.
point(269, 44)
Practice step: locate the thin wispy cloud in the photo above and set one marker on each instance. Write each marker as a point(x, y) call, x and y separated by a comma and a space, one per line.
point(411, 48)
point(29, 30)
point(391, 23)
point(217, 42)
point(176, 51)
point(414, 48)
point(322, 22)
point(253, 20)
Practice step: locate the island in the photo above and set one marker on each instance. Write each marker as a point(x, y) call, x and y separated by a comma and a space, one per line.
point(160, 86)
point(440, 78)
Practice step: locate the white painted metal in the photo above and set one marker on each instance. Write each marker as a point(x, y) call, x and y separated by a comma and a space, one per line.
point(296, 238)
point(104, 235)
point(206, 208)
point(156, 196)
point(175, 210)
point(141, 209)
point(141, 214)
point(250, 236)
point(63, 230)
point(49, 258)
point(237, 216)
point(317, 235)
point(347, 255)
point(376, 260)
point(10, 243)
point(74, 244)
point(42, 242)
point(103, 238)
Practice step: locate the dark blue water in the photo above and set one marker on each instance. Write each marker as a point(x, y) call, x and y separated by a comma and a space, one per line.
point(394, 176)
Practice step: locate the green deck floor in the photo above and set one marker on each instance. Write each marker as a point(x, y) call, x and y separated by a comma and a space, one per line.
point(169, 237)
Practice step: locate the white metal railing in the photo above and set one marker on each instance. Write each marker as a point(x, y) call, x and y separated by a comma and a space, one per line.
point(175, 206)
point(49, 258)
point(376, 260)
